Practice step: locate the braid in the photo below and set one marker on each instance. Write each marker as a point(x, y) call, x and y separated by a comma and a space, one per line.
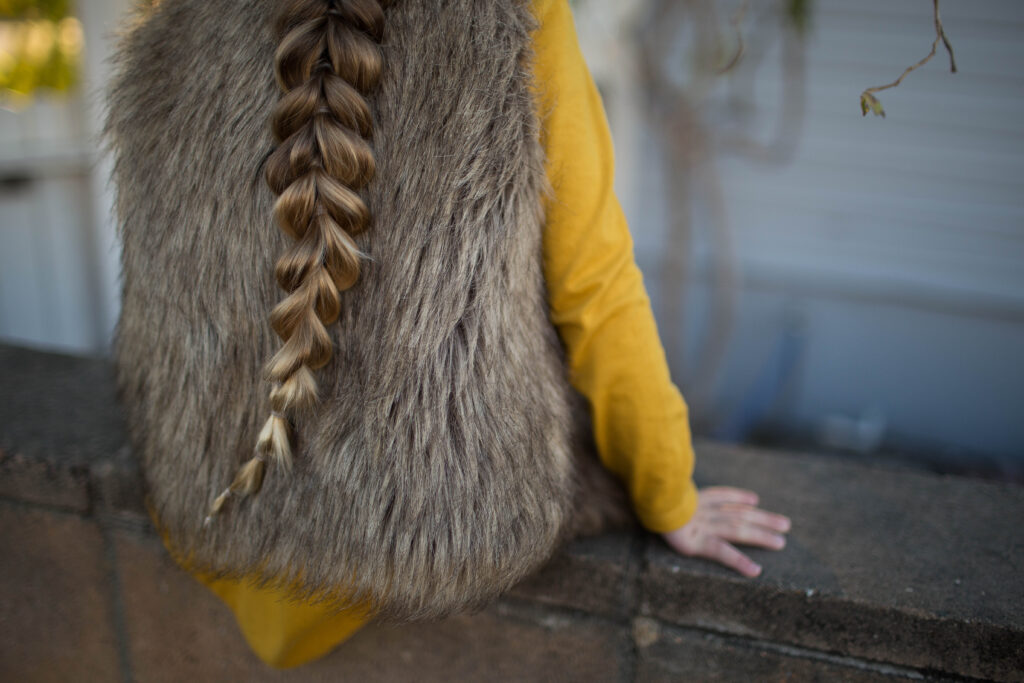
point(328, 58)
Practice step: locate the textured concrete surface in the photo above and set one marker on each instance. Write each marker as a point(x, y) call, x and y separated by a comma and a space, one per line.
point(913, 569)
point(499, 644)
point(669, 654)
point(62, 485)
point(177, 630)
point(605, 565)
point(56, 605)
point(888, 574)
point(58, 408)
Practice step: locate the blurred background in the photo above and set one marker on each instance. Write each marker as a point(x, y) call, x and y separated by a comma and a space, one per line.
point(822, 280)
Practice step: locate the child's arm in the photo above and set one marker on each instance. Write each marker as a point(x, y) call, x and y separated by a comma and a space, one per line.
point(602, 311)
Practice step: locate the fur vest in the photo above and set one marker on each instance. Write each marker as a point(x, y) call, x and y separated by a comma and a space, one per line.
point(448, 455)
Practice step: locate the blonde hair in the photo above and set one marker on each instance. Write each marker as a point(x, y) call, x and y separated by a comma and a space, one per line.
point(328, 59)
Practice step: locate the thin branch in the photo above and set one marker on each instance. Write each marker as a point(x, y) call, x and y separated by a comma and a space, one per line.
point(941, 32)
point(868, 101)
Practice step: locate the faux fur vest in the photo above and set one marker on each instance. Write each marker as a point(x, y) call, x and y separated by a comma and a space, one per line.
point(448, 455)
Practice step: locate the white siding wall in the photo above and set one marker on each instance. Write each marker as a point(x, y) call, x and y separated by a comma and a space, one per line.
point(58, 254)
point(46, 288)
point(881, 270)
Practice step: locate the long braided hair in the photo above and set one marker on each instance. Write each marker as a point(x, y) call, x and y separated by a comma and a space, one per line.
point(328, 59)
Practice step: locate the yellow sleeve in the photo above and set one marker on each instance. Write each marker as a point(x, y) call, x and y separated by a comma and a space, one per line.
point(596, 292)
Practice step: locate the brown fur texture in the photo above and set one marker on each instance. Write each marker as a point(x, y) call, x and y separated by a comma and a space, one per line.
point(448, 454)
point(328, 58)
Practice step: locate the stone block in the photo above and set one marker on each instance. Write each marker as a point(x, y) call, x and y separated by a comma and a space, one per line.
point(893, 566)
point(116, 485)
point(890, 567)
point(56, 604)
point(495, 645)
point(58, 408)
point(666, 654)
point(34, 480)
point(590, 574)
point(178, 630)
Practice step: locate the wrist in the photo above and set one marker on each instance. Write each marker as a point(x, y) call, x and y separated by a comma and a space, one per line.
point(665, 520)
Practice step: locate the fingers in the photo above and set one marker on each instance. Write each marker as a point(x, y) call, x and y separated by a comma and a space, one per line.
point(738, 530)
point(752, 515)
point(735, 502)
point(727, 515)
point(712, 548)
point(727, 494)
point(724, 553)
point(748, 525)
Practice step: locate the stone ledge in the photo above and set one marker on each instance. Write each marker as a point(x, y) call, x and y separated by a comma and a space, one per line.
point(884, 564)
point(606, 565)
point(63, 485)
point(55, 607)
point(673, 654)
point(888, 572)
point(62, 437)
point(56, 408)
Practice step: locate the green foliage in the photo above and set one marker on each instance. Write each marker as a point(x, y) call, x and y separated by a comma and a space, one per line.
point(40, 47)
point(53, 10)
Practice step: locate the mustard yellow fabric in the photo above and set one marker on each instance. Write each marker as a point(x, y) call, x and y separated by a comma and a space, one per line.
point(602, 312)
point(285, 634)
point(596, 292)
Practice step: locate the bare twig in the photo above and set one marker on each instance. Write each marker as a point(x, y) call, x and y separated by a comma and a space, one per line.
point(941, 32)
point(868, 101)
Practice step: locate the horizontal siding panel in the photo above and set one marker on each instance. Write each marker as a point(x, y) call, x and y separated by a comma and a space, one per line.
point(993, 13)
point(891, 251)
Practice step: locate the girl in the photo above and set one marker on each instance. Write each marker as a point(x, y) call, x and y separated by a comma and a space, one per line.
point(471, 108)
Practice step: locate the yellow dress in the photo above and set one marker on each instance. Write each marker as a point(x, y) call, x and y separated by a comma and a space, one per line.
point(602, 311)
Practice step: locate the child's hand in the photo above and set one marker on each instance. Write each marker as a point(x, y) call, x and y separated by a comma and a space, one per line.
point(727, 515)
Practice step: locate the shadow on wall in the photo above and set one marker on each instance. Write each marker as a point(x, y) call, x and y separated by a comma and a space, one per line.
point(822, 279)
